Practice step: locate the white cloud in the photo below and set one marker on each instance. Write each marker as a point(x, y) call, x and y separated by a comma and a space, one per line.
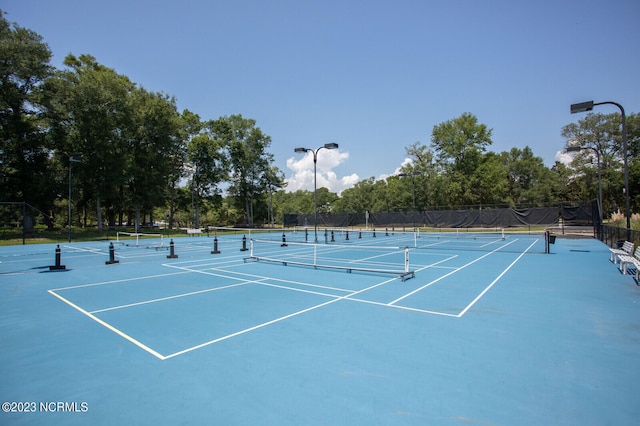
point(302, 168)
point(406, 162)
point(328, 159)
point(564, 157)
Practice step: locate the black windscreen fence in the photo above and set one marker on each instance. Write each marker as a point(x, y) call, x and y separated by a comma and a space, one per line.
point(574, 214)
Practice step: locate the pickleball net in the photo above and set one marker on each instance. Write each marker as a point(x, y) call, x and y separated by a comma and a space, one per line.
point(137, 239)
point(360, 258)
point(275, 234)
point(516, 241)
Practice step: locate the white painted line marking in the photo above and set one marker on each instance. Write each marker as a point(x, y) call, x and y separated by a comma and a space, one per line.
point(177, 296)
point(110, 327)
point(464, 311)
point(211, 342)
point(450, 273)
point(119, 281)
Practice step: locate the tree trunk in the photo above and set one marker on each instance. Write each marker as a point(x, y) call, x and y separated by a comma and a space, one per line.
point(99, 213)
point(137, 219)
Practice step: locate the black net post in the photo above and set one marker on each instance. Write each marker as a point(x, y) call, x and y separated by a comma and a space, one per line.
point(172, 253)
point(58, 266)
point(112, 256)
point(215, 245)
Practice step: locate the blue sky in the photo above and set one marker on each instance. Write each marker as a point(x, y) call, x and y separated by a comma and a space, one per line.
point(372, 76)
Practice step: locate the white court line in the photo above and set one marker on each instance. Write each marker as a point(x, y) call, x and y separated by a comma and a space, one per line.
point(464, 311)
point(110, 327)
point(211, 342)
point(85, 250)
point(406, 308)
point(335, 298)
point(450, 273)
point(301, 290)
point(205, 272)
point(177, 296)
point(119, 281)
point(283, 280)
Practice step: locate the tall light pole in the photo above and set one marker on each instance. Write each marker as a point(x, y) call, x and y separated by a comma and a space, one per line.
point(72, 159)
point(588, 106)
point(413, 184)
point(315, 161)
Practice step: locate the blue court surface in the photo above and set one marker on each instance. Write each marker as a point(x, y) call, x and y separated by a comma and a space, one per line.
point(494, 333)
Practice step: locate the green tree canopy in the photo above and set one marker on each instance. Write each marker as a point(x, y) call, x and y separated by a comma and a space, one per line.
point(25, 171)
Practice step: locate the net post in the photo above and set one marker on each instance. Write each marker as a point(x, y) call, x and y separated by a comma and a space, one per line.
point(406, 260)
point(546, 242)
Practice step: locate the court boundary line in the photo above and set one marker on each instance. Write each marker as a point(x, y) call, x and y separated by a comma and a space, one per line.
point(176, 296)
point(450, 273)
point(110, 327)
point(260, 281)
point(260, 277)
point(470, 305)
point(267, 323)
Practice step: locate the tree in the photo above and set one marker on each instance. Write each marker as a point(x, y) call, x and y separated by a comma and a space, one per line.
point(527, 179)
point(154, 143)
point(90, 115)
point(459, 142)
point(249, 160)
point(25, 170)
point(423, 170)
point(360, 198)
point(459, 145)
point(600, 135)
point(273, 181)
point(488, 181)
point(208, 162)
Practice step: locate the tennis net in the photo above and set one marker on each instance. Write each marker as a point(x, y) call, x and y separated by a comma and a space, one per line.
point(360, 258)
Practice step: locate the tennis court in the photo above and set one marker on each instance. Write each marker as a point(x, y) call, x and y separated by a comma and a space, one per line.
point(391, 328)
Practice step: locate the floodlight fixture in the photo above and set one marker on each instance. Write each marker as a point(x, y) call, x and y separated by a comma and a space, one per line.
point(582, 107)
point(574, 148)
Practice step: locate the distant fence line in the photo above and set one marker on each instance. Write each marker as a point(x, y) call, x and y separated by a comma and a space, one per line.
point(583, 214)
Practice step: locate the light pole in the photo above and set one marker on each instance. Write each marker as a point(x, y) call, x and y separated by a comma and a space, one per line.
point(588, 106)
point(72, 159)
point(330, 145)
point(413, 184)
point(581, 148)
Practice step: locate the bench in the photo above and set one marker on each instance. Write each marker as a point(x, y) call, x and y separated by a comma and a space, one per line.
point(633, 261)
point(194, 231)
point(627, 250)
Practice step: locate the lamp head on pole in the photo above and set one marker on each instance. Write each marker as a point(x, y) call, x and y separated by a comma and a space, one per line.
point(300, 150)
point(574, 148)
point(331, 145)
point(582, 107)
